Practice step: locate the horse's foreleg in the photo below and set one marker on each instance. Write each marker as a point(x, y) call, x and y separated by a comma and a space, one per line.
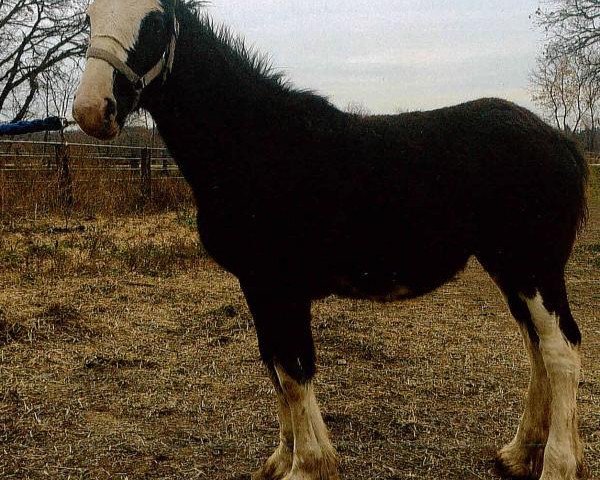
point(285, 340)
point(280, 462)
point(314, 456)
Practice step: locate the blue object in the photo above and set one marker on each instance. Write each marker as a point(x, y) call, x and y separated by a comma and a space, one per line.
point(32, 126)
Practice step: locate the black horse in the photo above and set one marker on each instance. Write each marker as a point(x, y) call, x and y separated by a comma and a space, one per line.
point(300, 200)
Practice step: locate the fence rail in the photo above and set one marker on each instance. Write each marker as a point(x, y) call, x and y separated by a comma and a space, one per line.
point(593, 159)
point(28, 164)
point(75, 144)
point(14, 156)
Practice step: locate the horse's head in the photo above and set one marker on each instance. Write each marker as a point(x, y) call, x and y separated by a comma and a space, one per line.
point(132, 45)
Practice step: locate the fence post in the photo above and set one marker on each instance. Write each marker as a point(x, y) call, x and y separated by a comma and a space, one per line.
point(165, 166)
point(146, 176)
point(134, 165)
point(65, 182)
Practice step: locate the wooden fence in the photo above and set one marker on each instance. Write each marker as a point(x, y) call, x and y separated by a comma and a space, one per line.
point(593, 159)
point(65, 164)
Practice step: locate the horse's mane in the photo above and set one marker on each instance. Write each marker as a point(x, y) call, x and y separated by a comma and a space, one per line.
point(244, 58)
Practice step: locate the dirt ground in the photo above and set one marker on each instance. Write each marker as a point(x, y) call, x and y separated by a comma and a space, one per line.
point(125, 353)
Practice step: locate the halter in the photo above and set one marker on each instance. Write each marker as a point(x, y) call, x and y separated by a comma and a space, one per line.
point(139, 82)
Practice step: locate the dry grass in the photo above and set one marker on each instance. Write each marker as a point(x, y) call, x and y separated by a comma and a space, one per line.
point(126, 353)
point(25, 194)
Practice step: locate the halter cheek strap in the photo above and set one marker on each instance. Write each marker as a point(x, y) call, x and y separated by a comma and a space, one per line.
point(114, 62)
point(139, 82)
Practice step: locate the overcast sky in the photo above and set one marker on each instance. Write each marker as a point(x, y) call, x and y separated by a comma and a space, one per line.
point(394, 54)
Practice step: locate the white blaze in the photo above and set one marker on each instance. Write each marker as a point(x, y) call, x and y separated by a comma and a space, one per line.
point(120, 19)
point(115, 27)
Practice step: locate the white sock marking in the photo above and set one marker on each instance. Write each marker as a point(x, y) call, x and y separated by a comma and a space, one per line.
point(314, 456)
point(562, 363)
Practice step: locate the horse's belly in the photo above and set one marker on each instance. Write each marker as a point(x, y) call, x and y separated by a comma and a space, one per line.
point(379, 287)
point(418, 277)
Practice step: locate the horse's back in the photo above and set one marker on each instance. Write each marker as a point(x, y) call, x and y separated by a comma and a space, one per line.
point(494, 161)
point(529, 197)
point(486, 178)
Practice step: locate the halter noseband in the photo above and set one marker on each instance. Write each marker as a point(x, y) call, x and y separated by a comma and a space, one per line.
point(139, 82)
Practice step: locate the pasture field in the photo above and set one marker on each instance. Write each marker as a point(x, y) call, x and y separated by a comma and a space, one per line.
point(125, 353)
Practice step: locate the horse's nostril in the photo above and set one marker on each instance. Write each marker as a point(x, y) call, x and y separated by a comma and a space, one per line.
point(111, 108)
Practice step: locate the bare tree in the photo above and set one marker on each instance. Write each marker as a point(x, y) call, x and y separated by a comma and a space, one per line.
point(566, 82)
point(566, 88)
point(554, 90)
point(591, 95)
point(37, 40)
point(57, 88)
point(574, 27)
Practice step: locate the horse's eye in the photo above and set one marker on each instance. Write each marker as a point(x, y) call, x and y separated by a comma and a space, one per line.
point(157, 25)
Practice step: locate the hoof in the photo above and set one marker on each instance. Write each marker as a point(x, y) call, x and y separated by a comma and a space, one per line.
point(325, 469)
point(276, 467)
point(520, 463)
point(579, 472)
point(582, 471)
point(527, 463)
point(311, 476)
point(270, 472)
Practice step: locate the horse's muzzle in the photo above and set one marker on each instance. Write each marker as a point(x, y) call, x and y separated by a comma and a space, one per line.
point(97, 117)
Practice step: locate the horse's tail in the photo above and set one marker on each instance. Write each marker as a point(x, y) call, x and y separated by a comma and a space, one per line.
point(583, 173)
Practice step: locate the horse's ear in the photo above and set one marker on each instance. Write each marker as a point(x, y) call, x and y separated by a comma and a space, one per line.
point(194, 5)
point(169, 5)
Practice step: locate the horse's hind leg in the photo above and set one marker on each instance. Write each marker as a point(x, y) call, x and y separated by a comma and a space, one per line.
point(547, 443)
point(523, 456)
point(559, 340)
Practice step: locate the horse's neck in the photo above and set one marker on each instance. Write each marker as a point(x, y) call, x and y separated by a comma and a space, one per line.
point(209, 101)
point(211, 106)
point(185, 114)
